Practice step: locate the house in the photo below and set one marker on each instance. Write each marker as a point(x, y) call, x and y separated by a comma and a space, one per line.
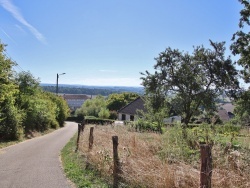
point(172, 119)
point(128, 112)
point(225, 111)
point(75, 100)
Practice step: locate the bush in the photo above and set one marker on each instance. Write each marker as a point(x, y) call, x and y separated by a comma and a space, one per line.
point(104, 113)
point(143, 125)
point(99, 121)
point(113, 115)
point(11, 122)
point(62, 111)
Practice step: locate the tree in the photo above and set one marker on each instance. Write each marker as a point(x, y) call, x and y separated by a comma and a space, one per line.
point(156, 109)
point(42, 110)
point(104, 113)
point(191, 81)
point(26, 82)
point(62, 110)
point(242, 109)
point(10, 116)
point(241, 38)
point(92, 107)
point(116, 101)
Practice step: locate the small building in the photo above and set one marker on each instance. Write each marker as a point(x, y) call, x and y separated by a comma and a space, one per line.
point(172, 119)
point(75, 100)
point(128, 112)
point(225, 111)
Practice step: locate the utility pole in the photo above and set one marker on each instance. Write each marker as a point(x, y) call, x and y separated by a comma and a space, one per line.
point(57, 77)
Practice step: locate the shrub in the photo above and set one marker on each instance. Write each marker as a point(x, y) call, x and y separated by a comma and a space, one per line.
point(113, 114)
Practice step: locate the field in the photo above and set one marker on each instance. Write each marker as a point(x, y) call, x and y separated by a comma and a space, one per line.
point(166, 160)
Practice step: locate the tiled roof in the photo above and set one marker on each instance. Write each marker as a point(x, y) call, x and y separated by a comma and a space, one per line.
point(75, 96)
point(131, 108)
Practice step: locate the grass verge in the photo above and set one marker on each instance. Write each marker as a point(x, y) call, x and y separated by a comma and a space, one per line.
point(74, 167)
point(6, 143)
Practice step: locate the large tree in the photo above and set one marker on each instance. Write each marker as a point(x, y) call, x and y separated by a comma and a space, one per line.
point(242, 109)
point(241, 38)
point(116, 101)
point(94, 107)
point(191, 80)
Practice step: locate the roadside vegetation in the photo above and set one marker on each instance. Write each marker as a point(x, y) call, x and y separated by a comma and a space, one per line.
point(164, 160)
point(24, 108)
point(74, 163)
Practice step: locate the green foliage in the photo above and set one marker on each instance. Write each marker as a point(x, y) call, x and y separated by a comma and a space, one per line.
point(156, 109)
point(104, 113)
point(241, 38)
point(242, 108)
point(113, 114)
point(40, 114)
point(99, 121)
point(10, 116)
point(143, 125)
point(175, 148)
point(11, 123)
point(43, 110)
point(116, 101)
point(92, 107)
point(27, 84)
point(23, 105)
point(74, 168)
point(192, 81)
point(62, 110)
point(228, 128)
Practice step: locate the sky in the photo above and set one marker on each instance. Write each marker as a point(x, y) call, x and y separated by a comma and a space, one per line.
point(108, 43)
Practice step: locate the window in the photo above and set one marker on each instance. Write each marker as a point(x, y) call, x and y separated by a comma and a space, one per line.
point(123, 117)
point(132, 118)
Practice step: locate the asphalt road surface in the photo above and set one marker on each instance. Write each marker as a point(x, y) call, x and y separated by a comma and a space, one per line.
point(36, 163)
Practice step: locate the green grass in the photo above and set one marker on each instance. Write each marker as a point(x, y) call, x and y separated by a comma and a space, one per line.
point(74, 168)
point(6, 143)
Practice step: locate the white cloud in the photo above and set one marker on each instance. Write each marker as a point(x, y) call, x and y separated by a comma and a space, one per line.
point(10, 7)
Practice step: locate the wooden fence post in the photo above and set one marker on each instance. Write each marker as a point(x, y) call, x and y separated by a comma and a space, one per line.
point(83, 124)
point(117, 166)
point(206, 166)
point(82, 127)
point(78, 137)
point(91, 138)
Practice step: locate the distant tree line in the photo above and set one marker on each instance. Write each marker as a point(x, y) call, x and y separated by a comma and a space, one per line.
point(24, 106)
point(84, 90)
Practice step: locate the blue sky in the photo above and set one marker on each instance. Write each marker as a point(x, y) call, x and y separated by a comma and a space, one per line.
point(97, 42)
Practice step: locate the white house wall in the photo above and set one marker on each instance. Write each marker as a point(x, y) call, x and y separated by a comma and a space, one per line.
point(127, 117)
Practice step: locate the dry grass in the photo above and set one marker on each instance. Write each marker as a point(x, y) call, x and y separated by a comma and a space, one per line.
point(142, 166)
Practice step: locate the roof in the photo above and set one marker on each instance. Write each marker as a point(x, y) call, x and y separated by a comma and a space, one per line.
point(229, 107)
point(75, 96)
point(223, 114)
point(131, 108)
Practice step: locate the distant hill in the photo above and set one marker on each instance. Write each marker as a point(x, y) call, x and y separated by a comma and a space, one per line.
point(90, 90)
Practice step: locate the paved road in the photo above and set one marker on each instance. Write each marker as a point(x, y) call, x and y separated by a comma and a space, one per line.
point(35, 163)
